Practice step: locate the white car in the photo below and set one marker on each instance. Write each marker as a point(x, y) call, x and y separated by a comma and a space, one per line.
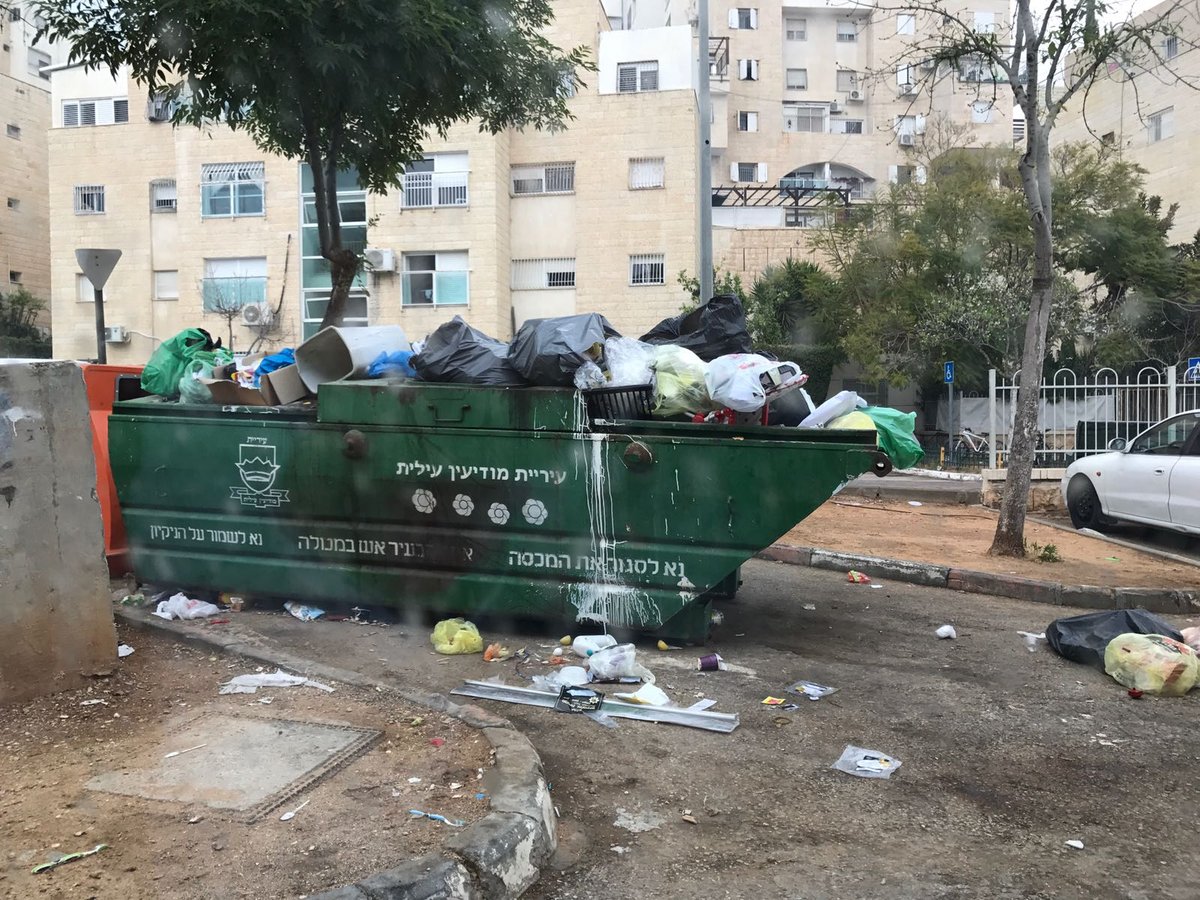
point(1152, 480)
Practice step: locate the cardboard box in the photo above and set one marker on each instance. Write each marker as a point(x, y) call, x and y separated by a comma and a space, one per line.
point(282, 386)
point(228, 393)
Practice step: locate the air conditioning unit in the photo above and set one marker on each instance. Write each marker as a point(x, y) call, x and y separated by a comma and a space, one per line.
point(116, 334)
point(908, 140)
point(158, 109)
point(835, 107)
point(256, 315)
point(856, 96)
point(907, 89)
point(380, 259)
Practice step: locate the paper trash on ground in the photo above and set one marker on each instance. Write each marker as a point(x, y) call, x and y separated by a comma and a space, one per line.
point(249, 684)
point(124, 650)
point(866, 763)
point(180, 606)
point(811, 689)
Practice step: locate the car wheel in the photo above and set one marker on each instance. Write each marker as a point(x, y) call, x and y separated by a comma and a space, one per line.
point(1083, 504)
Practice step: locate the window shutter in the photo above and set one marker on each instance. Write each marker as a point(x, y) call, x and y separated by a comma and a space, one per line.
point(752, 121)
point(733, 171)
point(754, 70)
point(753, 18)
point(894, 174)
point(733, 19)
point(87, 113)
point(70, 115)
point(762, 172)
point(743, 69)
point(919, 175)
point(121, 110)
point(919, 127)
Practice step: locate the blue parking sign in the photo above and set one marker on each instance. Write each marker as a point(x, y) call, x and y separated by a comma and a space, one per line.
point(948, 378)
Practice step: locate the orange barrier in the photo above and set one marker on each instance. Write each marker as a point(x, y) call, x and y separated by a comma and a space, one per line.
point(101, 384)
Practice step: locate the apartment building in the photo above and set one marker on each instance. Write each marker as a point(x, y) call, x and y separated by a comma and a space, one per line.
point(810, 99)
point(598, 216)
point(1146, 107)
point(24, 184)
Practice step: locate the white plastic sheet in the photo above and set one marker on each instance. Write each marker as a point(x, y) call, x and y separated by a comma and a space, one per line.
point(249, 684)
point(180, 606)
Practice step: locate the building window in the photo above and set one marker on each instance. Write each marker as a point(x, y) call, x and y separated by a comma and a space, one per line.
point(647, 172)
point(84, 291)
point(647, 268)
point(633, 77)
point(906, 23)
point(747, 121)
point(436, 180)
point(981, 112)
point(37, 62)
point(985, 22)
point(550, 178)
point(1109, 138)
point(316, 280)
point(975, 69)
point(163, 197)
point(847, 81)
point(797, 79)
point(745, 171)
point(906, 174)
point(14, 203)
point(846, 126)
point(810, 119)
point(14, 131)
point(1170, 46)
point(795, 29)
point(905, 76)
point(435, 279)
point(743, 17)
point(105, 111)
point(542, 274)
point(89, 199)
point(233, 282)
point(14, 277)
point(1018, 130)
point(1161, 125)
point(803, 217)
point(166, 284)
point(847, 31)
point(232, 189)
point(748, 69)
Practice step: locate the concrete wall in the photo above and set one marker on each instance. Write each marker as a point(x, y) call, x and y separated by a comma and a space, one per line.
point(56, 620)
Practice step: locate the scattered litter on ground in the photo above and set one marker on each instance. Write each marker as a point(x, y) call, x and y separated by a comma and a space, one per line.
point(620, 851)
point(875, 586)
point(1078, 845)
point(1031, 639)
point(93, 703)
point(576, 699)
point(1191, 637)
point(288, 816)
point(774, 701)
point(456, 636)
point(601, 718)
point(180, 606)
point(699, 705)
point(915, 503)
point(124, 650)
point(249, 684)
point(70, 857)
point(565, 640)
point(587, 644)
point(947, 632)
point(856, 577)
point(866, 763)
point(414, 780)
point(437, 742)
point(302, 612)
point(811, 607)
point(453, 823)
point(688, 817)
point(616, 663)
point(663, 645)
point(175, 753)
point(455, 785)
point(648, 695)
point(667, 661)
point(711, 662)
point(567, 676)
point(1152, 663)
point(1085, 638)
point(496, 653)
point(811, 689)
point(1113, 558)
point(133, 600)
point(637, 822)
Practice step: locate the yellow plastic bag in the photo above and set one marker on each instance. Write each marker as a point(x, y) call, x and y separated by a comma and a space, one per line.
point(452, 636)
point(853, 421)
point(679, 385)
point(1152, 663)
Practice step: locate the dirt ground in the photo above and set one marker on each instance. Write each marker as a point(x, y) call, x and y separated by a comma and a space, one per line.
point(357, 822)
point(960, 536)
point(1006, 755)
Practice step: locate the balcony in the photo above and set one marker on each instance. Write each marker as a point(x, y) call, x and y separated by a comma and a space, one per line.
point(224, 294)
point(432, 189)
point(718, 58)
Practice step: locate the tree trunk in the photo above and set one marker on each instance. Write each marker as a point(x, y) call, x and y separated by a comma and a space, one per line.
point(343, 266)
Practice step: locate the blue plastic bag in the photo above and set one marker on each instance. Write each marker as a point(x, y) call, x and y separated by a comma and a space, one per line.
point(396, 363)
point(281, 360)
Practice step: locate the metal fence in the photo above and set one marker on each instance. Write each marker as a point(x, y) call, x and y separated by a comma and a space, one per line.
point(1076, 416)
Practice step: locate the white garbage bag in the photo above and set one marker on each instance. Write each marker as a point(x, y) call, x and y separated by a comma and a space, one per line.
point(837, 405)
point(736, 380)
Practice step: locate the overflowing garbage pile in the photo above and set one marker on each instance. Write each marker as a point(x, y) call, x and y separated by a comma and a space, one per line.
point(698, 367)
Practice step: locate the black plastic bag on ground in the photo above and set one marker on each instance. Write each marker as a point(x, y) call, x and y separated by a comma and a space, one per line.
point(548, 352)
point(715, 329)
point(1082, 639)
point(456, 353)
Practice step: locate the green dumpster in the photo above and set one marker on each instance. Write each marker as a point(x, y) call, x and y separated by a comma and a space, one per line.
point(466, 500)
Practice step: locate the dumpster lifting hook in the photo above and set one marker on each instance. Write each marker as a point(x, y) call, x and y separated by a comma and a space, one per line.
point(881, 463)
point(637, 457)
point(354, 444)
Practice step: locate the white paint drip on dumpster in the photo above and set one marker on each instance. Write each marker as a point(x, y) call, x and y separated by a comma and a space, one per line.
point(603, 598)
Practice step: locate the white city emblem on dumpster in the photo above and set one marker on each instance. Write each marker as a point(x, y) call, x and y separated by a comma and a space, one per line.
point(256, 464)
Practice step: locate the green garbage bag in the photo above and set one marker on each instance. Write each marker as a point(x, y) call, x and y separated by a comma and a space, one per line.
point(895, 435)
point(169, 362)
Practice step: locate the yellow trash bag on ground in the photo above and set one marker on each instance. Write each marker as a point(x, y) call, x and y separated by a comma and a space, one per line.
point(1152, 663)
point(452, 636)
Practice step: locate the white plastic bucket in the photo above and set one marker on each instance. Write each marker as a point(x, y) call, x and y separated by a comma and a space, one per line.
point(336, 353)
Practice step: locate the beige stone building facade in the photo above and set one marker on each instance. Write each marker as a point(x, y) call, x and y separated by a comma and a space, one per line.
point(1147, 109)
point(24, 178)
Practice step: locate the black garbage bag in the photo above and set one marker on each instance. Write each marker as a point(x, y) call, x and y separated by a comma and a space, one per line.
point(715, 329)
point(548, 352)
point(1083, 638)
point(456, 353)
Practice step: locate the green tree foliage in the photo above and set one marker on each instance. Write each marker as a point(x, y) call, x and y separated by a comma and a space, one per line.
point(723, 283)
point(338, 84)
point(19, 334)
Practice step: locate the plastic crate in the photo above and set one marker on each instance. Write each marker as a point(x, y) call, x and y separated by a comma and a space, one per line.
point(615, 403)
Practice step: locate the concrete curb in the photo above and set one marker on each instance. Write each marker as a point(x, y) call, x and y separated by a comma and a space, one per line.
point(497, 858)
point(1159, 600)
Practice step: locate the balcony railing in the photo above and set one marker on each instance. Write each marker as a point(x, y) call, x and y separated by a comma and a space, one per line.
point(232, 293)
point(426, 189)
